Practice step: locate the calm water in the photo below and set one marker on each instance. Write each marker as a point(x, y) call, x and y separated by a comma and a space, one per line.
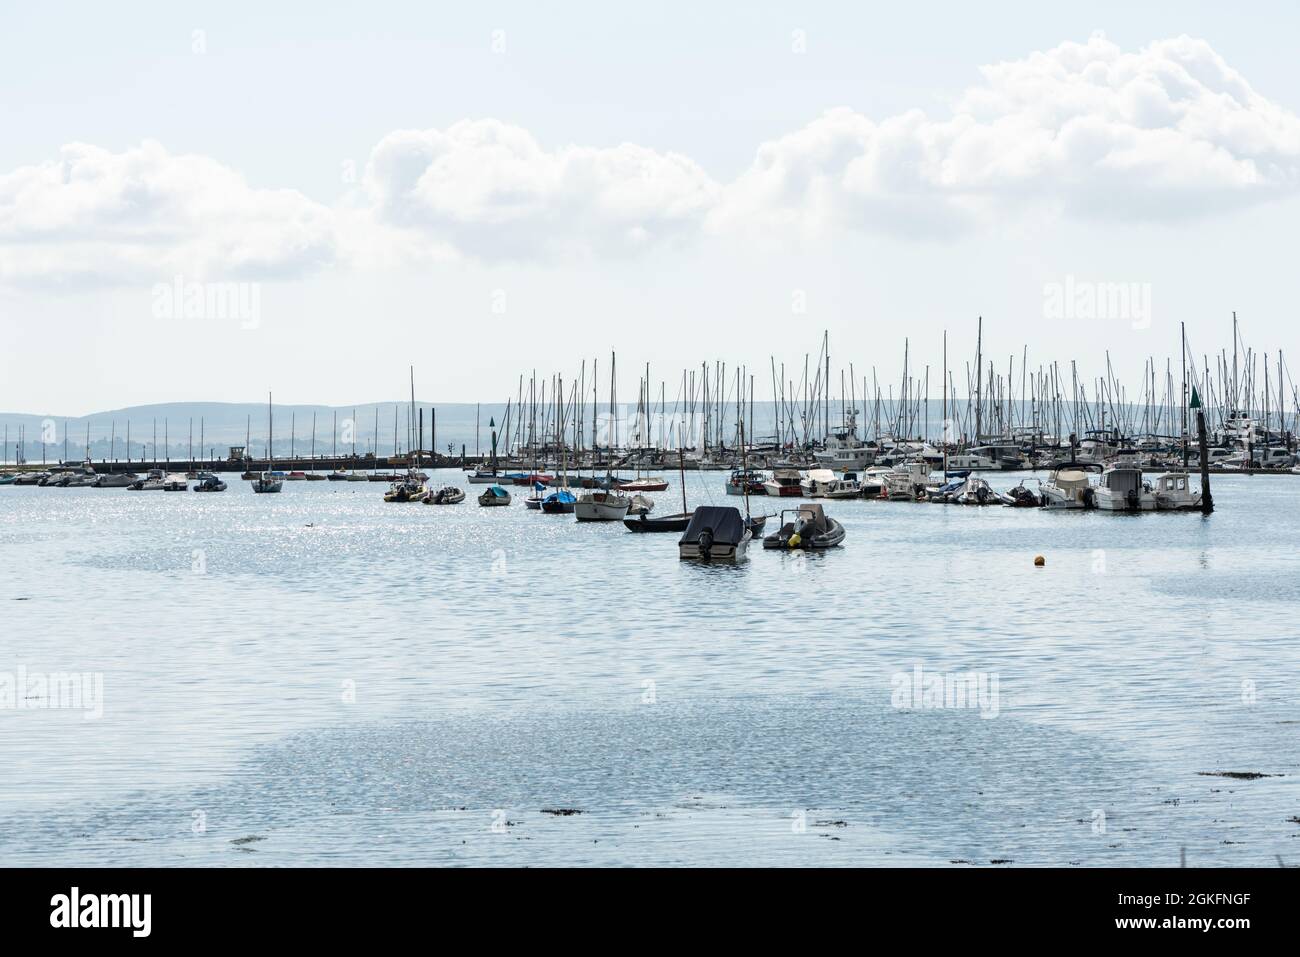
point(322, 678)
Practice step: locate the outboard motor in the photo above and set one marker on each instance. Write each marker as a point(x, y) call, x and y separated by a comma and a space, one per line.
point(706, 542)
point(1131, 498)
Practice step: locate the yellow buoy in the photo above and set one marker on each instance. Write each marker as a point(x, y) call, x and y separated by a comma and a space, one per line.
point(1039, 561)
point(794, 540)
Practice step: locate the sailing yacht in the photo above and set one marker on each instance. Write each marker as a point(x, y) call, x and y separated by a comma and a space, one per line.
point(269, 481)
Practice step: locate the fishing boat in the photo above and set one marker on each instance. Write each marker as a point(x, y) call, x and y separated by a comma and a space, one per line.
point(1122, 490)
point(715, 533)
point(784, 483)
point(1174, 493)
point(1068, 488)
point(494, 495)
point(447, 495)
point(808, 528)
point(746, 481)
point(209, 482)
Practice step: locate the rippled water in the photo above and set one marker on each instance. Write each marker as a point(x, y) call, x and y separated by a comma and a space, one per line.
point(322, 678)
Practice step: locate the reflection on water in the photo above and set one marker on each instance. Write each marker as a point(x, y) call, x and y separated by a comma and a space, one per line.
point(320, 677)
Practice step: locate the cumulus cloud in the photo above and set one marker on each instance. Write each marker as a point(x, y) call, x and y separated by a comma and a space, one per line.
point(491, 190)
point(1085, 129)
point(98, 217)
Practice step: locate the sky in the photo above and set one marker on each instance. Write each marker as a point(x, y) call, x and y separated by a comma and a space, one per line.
point(204, 202)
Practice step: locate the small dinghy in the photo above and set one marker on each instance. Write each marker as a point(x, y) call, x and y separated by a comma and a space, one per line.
point(447, 495)
point(808, 527)
point(648, 484)
point(495, 495)
point(716, 533)
point(559, 503)
point(534, 500)
point(1021, 497)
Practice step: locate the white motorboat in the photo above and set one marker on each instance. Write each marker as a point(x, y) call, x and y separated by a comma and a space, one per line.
point(176, 482)
point(873, 481)
point(972, 461)
point(1122, 490)
point(599, 506)
point(1067, 488)
point(844, 451)
point(154, 481)
point(903, 481)
point(815, 480)
point(1174, 493)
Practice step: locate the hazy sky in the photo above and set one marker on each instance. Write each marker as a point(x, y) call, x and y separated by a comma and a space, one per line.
point(339, 194)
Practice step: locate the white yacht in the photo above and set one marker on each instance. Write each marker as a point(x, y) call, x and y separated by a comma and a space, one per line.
point(815, 481)
point(1122, 490)
point(903, 481)
point(844, 451)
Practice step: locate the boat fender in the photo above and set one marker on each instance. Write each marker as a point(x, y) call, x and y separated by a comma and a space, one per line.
point(794, 541)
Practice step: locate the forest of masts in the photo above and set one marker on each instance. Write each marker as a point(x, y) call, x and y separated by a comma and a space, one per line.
point(983, 401)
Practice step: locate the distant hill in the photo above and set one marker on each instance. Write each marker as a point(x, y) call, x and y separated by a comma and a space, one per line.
point(224, 424)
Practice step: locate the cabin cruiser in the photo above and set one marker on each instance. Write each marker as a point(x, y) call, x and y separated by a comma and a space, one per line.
point(176, 482)
point(808, 527)
point(597, 506)
point(1068, 487)
point(743, 481)
point(847, 487)
point(1174, 493)
point(1122, 490)
point(784, 483)
point(715, 533)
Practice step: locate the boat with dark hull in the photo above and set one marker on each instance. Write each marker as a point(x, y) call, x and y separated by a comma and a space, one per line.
point(716, 533)
point(808, 528)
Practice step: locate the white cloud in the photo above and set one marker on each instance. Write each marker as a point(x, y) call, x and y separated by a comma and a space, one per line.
point(1084, 130)
point(491, 190)
point(97, 217)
